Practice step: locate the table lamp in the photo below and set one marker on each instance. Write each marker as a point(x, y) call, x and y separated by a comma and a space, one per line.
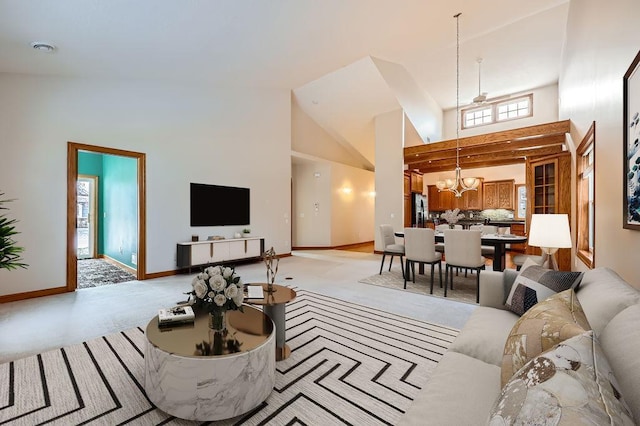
point(550, 232)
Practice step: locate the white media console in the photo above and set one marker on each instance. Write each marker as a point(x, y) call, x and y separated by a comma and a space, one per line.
point(207, 252)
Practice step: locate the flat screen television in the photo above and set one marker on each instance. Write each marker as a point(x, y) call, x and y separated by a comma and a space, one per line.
point(215, 205)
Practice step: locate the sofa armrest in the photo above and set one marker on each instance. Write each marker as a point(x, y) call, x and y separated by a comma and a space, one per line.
point(495, 287)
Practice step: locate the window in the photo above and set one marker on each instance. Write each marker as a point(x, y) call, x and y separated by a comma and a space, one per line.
point(586, 170)
point(498, 111)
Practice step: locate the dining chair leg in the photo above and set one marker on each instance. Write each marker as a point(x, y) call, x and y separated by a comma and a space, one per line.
point(478, 286)
point(433, 265)
point(391, 261)
point(440, 270)
point(382, 263)
point(446, 279)
point(401, 266)
point(405, 275)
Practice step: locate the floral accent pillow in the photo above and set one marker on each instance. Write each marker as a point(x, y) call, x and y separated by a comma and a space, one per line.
point(540, 328)
point(570, 384)
point(536, 283)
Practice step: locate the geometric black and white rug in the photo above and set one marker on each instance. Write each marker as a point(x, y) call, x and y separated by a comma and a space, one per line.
point(349, 364)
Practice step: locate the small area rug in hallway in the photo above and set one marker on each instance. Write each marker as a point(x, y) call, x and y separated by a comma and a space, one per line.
point(98, 272)
point(464, 288)
point(349, 364)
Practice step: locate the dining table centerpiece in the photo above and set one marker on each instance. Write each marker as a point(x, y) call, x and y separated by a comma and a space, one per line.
point(452, 217)
point(216, 290)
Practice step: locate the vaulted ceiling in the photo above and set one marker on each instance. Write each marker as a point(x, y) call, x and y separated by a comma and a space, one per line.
point(329, 53)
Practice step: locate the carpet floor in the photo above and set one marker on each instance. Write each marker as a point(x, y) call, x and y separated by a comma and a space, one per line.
point(464, 288)
point(97, 272)
point(349, 364)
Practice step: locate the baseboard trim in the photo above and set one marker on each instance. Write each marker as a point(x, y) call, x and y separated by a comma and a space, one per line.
point(342, 247)
point(33, 294)
point(119, 264)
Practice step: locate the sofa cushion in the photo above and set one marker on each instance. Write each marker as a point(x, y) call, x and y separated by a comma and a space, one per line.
point(540, 328)
point(461, 391)
point(484, 334)
point(603, 295)
point(568, 385)
point(536, 283)
point(620, 342)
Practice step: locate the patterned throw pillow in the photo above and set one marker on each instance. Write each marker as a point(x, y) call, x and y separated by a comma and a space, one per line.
point(570, 384)
point(536, 283)
point(540, 328)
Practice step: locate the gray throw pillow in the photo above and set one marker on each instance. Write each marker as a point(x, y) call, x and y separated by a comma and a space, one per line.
point(536, 283)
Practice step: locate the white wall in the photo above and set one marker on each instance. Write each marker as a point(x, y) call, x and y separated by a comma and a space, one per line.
point(389, 172)
point(602, 40)
point(545, 110)
point(353, 205)
point(190, 134)
point(309, 138)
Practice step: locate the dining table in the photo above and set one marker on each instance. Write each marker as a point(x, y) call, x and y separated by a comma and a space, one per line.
point(498, 241)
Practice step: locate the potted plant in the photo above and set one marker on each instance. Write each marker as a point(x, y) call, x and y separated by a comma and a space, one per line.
point(246, 232)
point(9, 252)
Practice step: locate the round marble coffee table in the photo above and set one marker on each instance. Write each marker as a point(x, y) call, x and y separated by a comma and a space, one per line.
point(236, 376)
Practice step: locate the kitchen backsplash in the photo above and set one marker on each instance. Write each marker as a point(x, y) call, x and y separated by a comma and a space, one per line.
point(493, 214)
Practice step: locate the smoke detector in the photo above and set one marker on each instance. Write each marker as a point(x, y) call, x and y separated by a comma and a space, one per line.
point(43, 47)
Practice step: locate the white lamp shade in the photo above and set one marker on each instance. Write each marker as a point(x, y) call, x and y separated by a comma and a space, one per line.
point(550, 230)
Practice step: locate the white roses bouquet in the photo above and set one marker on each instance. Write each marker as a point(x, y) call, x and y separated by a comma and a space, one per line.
point(217, 288)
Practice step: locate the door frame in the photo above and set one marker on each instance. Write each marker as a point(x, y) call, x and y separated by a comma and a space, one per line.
point(72, 176)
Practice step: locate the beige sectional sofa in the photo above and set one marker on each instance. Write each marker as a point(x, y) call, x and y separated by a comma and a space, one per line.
point(466, 383)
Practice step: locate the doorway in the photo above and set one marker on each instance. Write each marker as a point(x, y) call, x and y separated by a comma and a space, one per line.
point(75, 205)
point(87, 193)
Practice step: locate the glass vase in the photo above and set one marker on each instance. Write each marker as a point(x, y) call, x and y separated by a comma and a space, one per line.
point(218, 320)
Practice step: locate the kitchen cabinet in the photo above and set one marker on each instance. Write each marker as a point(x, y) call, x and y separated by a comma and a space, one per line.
point(498, 194)
point(470, 200)
point(519, 229)
point(416, 182)
point(549, 192)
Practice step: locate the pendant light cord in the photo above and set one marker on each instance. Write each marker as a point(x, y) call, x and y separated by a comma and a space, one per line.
point(457, 16)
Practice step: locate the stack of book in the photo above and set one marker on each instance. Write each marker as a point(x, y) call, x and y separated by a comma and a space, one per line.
point(176, 315)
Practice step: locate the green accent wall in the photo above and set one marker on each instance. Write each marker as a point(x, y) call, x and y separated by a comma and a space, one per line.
point(117, 203)
point(120, 208)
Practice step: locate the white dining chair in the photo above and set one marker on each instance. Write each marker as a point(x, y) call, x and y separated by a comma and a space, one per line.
point(487, 251)
point(390, 247)
point(419, 246)
point(462, 249)
point(441, 228)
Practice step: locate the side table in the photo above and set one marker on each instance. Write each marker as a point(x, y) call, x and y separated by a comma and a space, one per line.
point(274, 306)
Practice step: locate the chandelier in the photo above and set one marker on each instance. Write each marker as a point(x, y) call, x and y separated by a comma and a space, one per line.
point(458, 185)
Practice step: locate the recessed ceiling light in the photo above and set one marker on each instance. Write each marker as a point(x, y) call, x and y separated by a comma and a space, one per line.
point(43, 47)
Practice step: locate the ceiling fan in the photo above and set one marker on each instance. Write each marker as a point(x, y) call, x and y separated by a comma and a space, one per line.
point(482, 96)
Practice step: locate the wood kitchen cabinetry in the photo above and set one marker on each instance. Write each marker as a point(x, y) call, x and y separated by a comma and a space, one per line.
point(498, 194)
point(446, 200)
point(413, 183)
point(519, 229)
point(549, 192)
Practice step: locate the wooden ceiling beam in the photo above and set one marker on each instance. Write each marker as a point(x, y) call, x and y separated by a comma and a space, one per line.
point(489, 149)
point(555, 128)
point(486, 159)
